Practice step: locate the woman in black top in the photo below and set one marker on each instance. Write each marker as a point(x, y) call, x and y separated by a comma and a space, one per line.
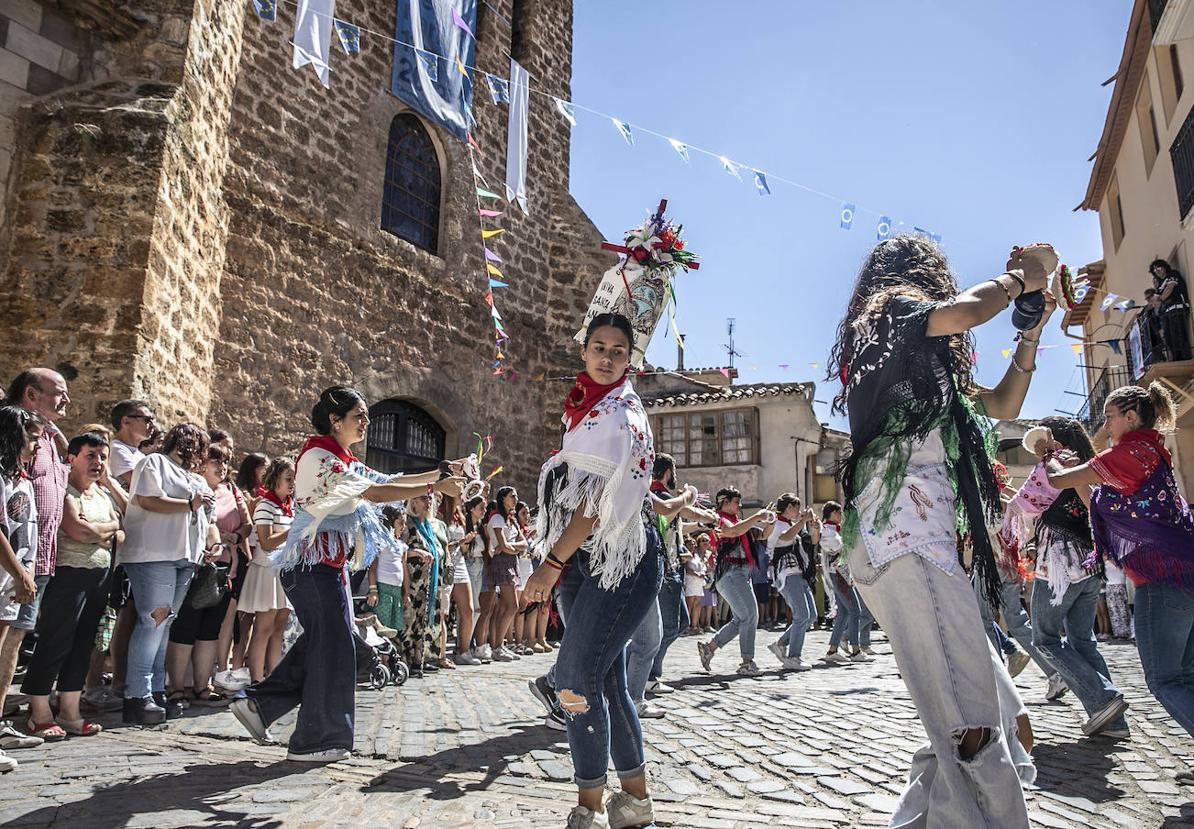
point(1175, 308)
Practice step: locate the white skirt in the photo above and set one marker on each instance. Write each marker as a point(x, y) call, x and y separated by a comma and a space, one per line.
point(525, 568)
point(262, 591)
point(460, 571)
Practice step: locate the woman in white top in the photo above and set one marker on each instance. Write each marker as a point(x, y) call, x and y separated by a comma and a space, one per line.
point(460, 541)
point(262, 593)
point(505, 544)
point(168, 531)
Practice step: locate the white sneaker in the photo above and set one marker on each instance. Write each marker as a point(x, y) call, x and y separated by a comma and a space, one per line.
point(647, 711)
point(10, 738)
point(625, 810)
point(795, 663)
point(331, 755)
point(7, 764)
point(1104, 716)
point(1057, 687)
point(245, 710)
point(657, 687)
point(777, 648)
point(582, 818)
point(1017, 662)
point(467, 658)
point(484, 653)
point(867, 650)
point(748, 668)
point(503, 655)
point(230, 680)
point(861, 657)
point(836, 658)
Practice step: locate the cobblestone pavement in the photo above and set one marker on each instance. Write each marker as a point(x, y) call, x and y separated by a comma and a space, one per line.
point(826, 748)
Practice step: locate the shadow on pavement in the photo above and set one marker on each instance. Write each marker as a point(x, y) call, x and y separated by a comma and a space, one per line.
point(1079, 768)
point(197, 788)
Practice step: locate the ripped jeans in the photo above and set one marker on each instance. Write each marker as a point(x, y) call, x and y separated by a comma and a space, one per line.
point(590, 668)
point(957, 683)
point(155, 584)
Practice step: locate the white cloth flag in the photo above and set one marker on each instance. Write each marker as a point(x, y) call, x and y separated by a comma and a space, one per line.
point(516, 139)
point(313, 36)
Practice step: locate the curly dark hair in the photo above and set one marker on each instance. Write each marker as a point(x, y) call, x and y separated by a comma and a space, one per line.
point(191, 442)
point(903, 265)
point(277, 468)
point(1071, 434)
point(15, 424)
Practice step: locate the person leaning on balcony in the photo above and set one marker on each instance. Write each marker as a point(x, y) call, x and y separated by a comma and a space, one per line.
point(1152, 342)
point(1175, 308)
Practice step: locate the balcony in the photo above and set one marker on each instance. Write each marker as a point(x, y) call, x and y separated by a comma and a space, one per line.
point(1111, 378)
point(1182, 154)
point(1172, 20)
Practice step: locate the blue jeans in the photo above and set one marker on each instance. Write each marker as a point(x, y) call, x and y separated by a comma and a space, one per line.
point(591, 664)
point(674, 613)
point(1077, 658)
point(641, 652)
point(736, 588)
point(799, 597)
point(1165, 640)
point(845, 622)
point(155, 584)
point(318, 673)
point(1019, 626)
point(865, 620)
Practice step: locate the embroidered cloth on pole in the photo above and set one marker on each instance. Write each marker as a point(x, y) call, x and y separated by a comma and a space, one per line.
point(516, 140)
point(444, 97)
point(642, 304)
point(313, 36)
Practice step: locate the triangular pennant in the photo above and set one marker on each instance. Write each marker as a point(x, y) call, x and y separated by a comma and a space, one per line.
point(567, 110)
point(499, 89)
point(266, 9)
point(1077, 347)
point(485, 194)
point(497, 283)
point(493, 271)
point(730, 167)
point(680, 147)
point(472, 142)
point(489, 297)
point(1125, 305)
point(489, 234)
point(479, 176)
point(429, 62)
point(624, 129)
point(459, 21)
point(460, 66)
point(350, 37)
point(1114, 346)
point(491, 256)
point(489, 214)
point(761, 184)
point(1005, 352)
point(1108, 301)
point(542, 375)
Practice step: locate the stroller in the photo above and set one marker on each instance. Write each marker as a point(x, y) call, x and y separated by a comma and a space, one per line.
point(378, 662)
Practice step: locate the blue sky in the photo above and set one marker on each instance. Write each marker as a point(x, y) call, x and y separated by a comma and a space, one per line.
point(972, 120)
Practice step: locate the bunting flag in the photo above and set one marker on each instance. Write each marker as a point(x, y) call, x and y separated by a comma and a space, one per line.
point(847, 217)
point(624, 129)
point(496, 283)
point(350, 37)
point(784, 366)
point(485, 194)
point(883, 230)
point(478, 176)
point(540, 376)
point(1108, 301)
point(491, 256)
point(489, 214)
point(936, 237)
point(567, 110)
point(680, 147)
point(460, 24)
point(730, 167)
point(313, 36)
point(499, 89)
point(1005, 352)
point(1077, 347)
point(429, 63)
point(761, 184)
point(1126, 305)
point(516, 136)
point(266, 9)
point(460, 65)
point(813, 366)
point(493, 271)
point(489, 297)
point(489, 234)
point(1114, 346)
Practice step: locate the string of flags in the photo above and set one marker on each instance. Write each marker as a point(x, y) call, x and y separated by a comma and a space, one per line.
point(500, 93)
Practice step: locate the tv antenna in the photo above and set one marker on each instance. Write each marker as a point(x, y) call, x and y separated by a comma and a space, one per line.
point(729, 347)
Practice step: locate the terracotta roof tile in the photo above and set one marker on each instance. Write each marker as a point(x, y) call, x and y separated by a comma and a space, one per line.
point(744, 392)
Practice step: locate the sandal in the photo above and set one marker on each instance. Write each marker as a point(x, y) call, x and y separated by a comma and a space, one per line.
point(81, 728)
point(209, 698)
point(182, 698)
point(447, 663)
point(50, 731)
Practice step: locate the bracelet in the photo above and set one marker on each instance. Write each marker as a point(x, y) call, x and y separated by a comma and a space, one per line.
point(1019, 279)
point(372, 591)
point(1020, 338)
point(552, 557)
point(1005, 290)
point(1017, 367)
point(550, 562)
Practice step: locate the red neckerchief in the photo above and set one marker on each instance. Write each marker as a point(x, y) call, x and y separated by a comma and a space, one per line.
point(586, 394)
point(1128, 464)
point(260, 490)
point(328, 443)
point(658, 487)
point(286, 506)
point(733, 519)
point(837, 525)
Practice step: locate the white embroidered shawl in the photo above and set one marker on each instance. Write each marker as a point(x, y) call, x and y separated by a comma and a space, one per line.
point(609, 455)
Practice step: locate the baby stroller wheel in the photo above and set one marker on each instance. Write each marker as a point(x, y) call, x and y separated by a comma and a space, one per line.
point(400, 673)
point(379, 677)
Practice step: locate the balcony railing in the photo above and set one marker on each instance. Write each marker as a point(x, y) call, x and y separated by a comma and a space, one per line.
point(1156, 8)
point(1182, 154)
point(1111, 378)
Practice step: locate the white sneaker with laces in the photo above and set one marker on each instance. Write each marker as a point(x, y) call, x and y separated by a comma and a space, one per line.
point(467, 658)
point(748, 668)
point(657, 687)
point(795, 663)
point(230, 681)
point(502, 655)
point(836, 658)
point(1057, 688)
point(330, 755)
point(647, 711)
point(582, 818)
point(861, 657)
point(484, 653)
point(625, 810)
point(777, 648)
point(10, 738)
point(7, 764)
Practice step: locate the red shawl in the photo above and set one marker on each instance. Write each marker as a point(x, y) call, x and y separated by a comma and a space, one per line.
point(586, 394)
point(731, 520)
point(286, 506)
point(328, 443)
point(1128, 464)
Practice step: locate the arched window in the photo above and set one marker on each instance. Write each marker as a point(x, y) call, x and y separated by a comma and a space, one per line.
point(403, 438)
point(410, 200)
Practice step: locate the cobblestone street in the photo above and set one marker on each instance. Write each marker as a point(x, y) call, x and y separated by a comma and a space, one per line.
point(467, 748)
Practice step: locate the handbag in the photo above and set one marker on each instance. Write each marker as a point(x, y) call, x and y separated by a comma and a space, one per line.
point(208, 585)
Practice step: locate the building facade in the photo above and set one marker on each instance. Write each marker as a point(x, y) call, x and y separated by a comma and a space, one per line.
point(762, 438)
point(186, 219)
point(1142, 185)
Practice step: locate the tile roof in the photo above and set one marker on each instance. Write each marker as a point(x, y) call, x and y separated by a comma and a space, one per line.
point(743, 392)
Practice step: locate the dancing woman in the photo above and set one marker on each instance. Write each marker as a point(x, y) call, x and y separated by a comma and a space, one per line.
point(903, 352)
point(1142, 523)
point(595, 517)
point(336, 525)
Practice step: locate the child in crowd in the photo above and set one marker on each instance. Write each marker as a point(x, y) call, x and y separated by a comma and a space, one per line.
point(386, 574)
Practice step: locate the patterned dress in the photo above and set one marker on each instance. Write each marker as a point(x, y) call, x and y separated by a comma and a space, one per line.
point(420, 637)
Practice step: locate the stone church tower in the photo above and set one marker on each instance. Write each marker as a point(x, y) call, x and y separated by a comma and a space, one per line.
point(188, 220)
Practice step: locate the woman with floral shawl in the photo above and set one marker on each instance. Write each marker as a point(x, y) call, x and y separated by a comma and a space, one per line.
point(337, 524)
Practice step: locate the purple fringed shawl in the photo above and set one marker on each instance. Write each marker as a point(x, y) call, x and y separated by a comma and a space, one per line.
point(1149, 533)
